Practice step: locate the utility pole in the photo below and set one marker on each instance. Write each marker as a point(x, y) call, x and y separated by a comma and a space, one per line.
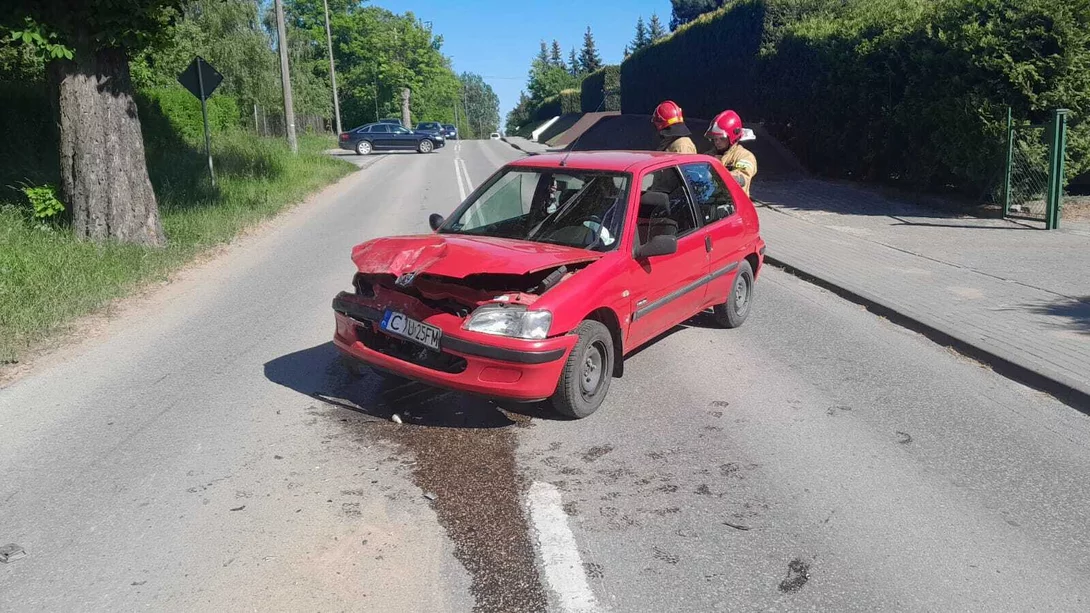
point(465, 102)
point(285, 77)
point(332, 70)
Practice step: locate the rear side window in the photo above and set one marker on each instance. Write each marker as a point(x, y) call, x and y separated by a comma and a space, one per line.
point(710, 194)
point(364, 130)
point(380, 129)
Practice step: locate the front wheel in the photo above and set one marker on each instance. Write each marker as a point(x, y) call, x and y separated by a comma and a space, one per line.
point(735, 310)
point(587, 373)
point(426, 146)
point(363, 148)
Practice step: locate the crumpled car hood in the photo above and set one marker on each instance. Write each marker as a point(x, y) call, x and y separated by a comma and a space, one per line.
point(458, 256)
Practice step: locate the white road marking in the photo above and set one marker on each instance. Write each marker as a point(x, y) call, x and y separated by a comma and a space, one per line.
point(559, 552)
point(458, 174)
point(465, 185)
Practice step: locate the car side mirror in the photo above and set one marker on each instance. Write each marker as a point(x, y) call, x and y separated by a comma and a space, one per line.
point(663, 244)
point(435, 220)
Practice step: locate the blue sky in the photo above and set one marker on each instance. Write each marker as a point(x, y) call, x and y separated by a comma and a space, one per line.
point(498, 38)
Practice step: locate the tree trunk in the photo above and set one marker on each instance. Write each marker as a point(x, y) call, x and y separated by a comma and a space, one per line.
point(405, 118)
point(104, 176)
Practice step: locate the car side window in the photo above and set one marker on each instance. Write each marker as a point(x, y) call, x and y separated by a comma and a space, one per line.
point(713, 199)
point(398, 130)
point(680, 210)
point(364, 130)
point(380, 129)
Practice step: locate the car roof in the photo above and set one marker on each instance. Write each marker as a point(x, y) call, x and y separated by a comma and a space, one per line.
point(616, 161)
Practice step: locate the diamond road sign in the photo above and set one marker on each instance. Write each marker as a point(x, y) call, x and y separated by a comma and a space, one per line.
point(191, 79)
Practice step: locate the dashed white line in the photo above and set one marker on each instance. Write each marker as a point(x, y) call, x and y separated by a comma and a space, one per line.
point(559, 551)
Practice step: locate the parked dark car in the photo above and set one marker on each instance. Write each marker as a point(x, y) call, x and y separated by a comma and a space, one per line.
point(387, 137)
point(430, 127)
point(450, 132)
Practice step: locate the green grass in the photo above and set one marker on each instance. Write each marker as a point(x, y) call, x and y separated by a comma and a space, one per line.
point(48, 278)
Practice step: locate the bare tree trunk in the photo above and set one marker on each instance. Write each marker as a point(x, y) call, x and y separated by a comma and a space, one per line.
point(405, 118)
point(104, 175)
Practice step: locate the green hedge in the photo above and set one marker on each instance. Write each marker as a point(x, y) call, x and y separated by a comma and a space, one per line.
point(183, 110)
point(601, 90)
point(567, 101)
point(901, 90)
point(570, 101)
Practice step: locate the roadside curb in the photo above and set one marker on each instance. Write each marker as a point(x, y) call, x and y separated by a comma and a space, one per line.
point(1072, 393)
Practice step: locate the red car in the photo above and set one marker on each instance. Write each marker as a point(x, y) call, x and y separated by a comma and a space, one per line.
point(550, 272)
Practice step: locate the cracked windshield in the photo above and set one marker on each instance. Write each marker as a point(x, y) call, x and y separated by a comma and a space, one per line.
point(579, 210)
point(560, 307)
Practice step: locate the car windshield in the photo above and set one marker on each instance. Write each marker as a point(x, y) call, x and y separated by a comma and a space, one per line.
point(565, 207)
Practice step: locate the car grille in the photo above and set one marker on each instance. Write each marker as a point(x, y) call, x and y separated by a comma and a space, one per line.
point(409, 352)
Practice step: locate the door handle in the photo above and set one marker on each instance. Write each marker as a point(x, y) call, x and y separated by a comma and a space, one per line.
point(708, 243)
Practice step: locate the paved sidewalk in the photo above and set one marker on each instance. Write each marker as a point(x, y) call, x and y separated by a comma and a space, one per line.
point(1015, 297)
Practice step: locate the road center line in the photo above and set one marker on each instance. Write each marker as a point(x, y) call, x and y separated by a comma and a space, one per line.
point(458, 174)
point(559, 551)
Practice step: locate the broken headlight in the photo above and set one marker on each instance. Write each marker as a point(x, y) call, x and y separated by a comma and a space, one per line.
point(510, 320)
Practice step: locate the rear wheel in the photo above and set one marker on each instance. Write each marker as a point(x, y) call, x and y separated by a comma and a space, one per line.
point(587, 373)
point(735, 310)
point(363, 148)
point(426, 146)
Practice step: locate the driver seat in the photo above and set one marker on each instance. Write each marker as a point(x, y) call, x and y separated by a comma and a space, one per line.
point(654, 217)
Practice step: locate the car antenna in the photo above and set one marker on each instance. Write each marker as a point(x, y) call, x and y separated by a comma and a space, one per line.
point(571, 147)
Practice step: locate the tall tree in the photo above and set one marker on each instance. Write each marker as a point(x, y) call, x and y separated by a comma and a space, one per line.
point(543, 55)
point(641, 40)
point(104, 174)
point(482, 105)
point(556, 56)
point(684, 11)
point(589, 60)
point(520, 115)
point(573, 63)
point(655, 30)
point(548, 80)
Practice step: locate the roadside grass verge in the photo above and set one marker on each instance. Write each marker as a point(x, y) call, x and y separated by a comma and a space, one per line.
point(48, 278)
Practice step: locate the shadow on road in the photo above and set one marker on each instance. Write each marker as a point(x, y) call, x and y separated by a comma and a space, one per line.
point(1075, 310)
point(318, 372)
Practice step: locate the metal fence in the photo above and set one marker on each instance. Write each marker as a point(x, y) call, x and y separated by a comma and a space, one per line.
point(271, 123)
point(1034, 184)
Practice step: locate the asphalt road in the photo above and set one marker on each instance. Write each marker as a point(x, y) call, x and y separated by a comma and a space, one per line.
point(204, 450)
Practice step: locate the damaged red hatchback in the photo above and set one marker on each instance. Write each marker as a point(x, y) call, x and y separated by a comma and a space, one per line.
point(550, 272)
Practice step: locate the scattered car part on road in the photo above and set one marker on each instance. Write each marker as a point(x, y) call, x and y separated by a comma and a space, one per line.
point(11, 552)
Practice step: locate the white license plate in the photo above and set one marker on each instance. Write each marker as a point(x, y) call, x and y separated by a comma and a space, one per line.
point(415, 331)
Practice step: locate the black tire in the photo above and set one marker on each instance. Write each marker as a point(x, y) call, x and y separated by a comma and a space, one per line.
point(425, 146)
point(590, 365)
point(364, 148)
point(735, 310)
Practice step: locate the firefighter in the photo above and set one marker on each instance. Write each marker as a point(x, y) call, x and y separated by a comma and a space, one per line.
point(726, 133)
point(673, 135)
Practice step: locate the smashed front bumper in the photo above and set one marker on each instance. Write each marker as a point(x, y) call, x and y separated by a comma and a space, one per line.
point(476, 363)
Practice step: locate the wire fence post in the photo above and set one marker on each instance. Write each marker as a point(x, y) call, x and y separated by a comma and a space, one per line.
point(1057, 145)
point(1010, 165)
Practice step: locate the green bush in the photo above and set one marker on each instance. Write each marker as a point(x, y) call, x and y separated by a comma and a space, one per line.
point(601, 90)
point(547, 108)
point(44, 201)
point(570, 101)
point(183, 111)
point(891, 90)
